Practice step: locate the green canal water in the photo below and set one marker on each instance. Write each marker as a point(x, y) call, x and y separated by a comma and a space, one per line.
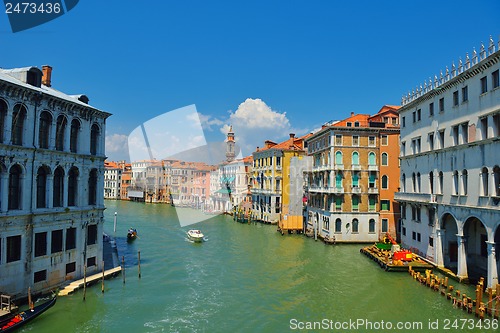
point(244, 278)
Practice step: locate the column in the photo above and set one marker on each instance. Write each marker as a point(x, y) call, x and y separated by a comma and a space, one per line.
point(67, 135)
point(52, 134)
point(65, 190)
point(50, 191)
point(462, 257)
point(492, 279)
point(4, 183)
point(7, 134)
point(440, 236)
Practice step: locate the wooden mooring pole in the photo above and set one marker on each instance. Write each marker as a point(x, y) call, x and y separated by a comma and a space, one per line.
point(84, 281)
point(30, 303)
point(139, 261)
point(102, 285)
point(497, 302)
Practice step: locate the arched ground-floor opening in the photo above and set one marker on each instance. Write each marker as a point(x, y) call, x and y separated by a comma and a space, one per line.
point(476, 249)
point(497, 247)
point(449, 242)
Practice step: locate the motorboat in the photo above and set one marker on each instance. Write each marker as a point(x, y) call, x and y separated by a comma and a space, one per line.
point(195, 235)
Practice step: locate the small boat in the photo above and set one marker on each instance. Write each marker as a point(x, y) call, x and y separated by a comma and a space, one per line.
point(132, 234)
point(195, 235)
point(14, 321)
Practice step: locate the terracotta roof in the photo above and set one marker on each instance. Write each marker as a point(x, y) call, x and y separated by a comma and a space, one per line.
point(292, 143)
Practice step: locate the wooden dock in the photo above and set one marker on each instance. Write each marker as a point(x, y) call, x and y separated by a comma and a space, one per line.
point(382, 258)
point(75, 285)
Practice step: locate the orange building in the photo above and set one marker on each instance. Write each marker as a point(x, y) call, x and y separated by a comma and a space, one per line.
point(355, 172)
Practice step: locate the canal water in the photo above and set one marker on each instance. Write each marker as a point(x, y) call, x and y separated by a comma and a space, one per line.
point(244, 278)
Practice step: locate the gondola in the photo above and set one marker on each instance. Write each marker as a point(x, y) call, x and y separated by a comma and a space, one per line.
point(14, 321)
point(131, 234)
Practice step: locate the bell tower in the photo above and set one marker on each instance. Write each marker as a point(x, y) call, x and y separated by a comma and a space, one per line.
point(230, 145)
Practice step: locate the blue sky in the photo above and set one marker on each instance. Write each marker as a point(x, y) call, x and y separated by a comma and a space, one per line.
point(274, 66)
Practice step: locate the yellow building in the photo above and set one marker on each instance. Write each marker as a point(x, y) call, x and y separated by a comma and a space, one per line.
point(275, 181)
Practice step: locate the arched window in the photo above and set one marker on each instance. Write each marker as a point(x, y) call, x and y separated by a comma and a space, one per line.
point(73, 140)
point(355, 179)
point(484, 181)
point(73, 186)
point(496, 176)
point(18, 118)
point(371, 226)
point(338, 225)
point(3, 116)
point(355, 158)
point(60, 132)
point(418, 182)
point(414, 182)
point(58, 187)
point(94, 139)
point(440, 181)
point(431, 182)
point(355, 226)
point(338, 179)
point(371, 158)
point(385, 160)
point(41, 187)
point(15, 189)
point(455, 182)
point(385, 182)
point(338, 157)
point(464, 182)
point(44, 129)
point(93, 187)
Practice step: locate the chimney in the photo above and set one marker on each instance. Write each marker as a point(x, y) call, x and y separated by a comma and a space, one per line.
point(292, 135)
point(47, 74)
point(352, 113)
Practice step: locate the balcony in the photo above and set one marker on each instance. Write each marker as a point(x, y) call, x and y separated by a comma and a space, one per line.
point(415, 197)
point(372, 190)
point(338, 167)
point(373, 168)
point(337, 190)
point(356, 167)
point(356, 189)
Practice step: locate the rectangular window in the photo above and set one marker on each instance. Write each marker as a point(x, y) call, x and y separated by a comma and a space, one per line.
point(431, 141)
point(454, 130)
point(338, 140)
point(484, 85)
point(371, 203)
point(385, 225)
point(92, 234)
point(465, 132)
point(40, 276)
point(371, 141)
point(57, 241)
point(13, 248)
point(355, 140)
point(403, 148)
point(403, 231)
point(70, 268)
point(484, 128)
point(70, 238)
point(495, 80)
point(419, 237)
point(465, 94)
point(384, 140)
point(413, 235)
point(403, 122)
point(414, 114)
point(431, 109)
point(431, 242)
point(40, 244)
point(91, 261)
point(441, 139)
point(419, 114)
point(455, 98)
point(338, 204)
point(403, 211)
point(441, 104)
point(384, 204)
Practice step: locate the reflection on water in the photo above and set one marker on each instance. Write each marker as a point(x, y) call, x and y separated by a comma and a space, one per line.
point(244, 278)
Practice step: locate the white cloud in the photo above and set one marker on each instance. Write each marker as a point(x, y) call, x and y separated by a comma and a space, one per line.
point(117, 147)
point(255, 122)
point(207, 121)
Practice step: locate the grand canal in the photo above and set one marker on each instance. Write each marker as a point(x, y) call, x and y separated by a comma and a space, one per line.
point(244, 278)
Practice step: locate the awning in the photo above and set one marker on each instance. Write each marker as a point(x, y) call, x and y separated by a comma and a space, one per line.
point(223, 191)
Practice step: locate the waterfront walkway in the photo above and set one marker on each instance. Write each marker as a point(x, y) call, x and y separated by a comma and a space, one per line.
point(111, 266)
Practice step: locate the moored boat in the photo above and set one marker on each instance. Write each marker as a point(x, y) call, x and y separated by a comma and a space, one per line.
point(195, 235)
point(14, 321)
